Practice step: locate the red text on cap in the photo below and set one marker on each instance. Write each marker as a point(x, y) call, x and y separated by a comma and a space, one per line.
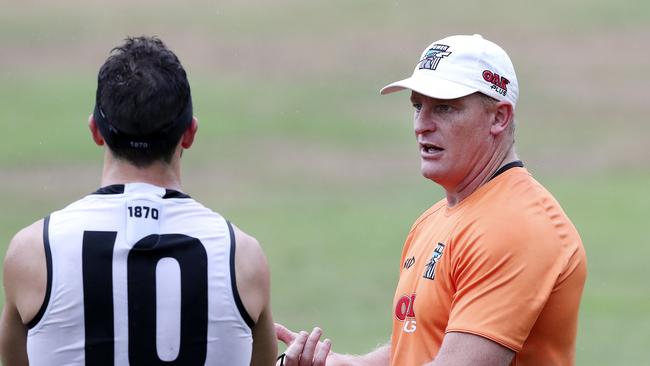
point(500, 83)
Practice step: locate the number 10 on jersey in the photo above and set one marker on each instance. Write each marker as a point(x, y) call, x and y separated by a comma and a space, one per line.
point(142, 259)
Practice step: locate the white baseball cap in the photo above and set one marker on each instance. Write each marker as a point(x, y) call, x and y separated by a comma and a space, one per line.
point(457, 66)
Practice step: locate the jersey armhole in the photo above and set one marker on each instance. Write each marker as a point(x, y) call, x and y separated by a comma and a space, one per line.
point(233, 280)
point(48, 262)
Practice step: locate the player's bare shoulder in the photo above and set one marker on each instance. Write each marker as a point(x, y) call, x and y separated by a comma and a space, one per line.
point(252, 273)
point(25, 270)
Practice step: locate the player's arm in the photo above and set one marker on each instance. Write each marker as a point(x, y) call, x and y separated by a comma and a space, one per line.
point(13, 337)
point(253, 284)
point(25, 281)
point(307, 349)
point(463, 349)
point(378, 357)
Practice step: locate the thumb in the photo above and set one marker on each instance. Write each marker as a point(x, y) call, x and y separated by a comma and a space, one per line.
point(284, 334)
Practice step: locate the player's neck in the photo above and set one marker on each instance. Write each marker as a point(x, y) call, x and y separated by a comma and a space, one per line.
point(482, 176)
point(118, 171)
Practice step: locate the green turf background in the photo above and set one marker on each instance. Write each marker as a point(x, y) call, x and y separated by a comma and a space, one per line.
point(296, 146)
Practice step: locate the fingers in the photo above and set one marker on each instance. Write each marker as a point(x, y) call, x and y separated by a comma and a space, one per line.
point(323, 352)
point(305, 350)
point(284, 334)
point(310, 347)
point(294, 352)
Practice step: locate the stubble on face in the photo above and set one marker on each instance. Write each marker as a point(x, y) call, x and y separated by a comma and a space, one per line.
point(453, 136)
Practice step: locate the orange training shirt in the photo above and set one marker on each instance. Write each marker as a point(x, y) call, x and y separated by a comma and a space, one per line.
point(506, 264)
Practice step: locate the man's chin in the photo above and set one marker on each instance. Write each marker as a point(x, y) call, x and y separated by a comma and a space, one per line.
point(431, 174)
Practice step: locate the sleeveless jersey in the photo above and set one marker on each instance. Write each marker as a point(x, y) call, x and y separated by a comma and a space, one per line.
point(139, 275)
point(505, 264)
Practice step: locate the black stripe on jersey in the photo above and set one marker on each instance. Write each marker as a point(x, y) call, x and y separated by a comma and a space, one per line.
point(233, 280)
point(97, 272)
point(170, 193)
point(514, 164)
point(112, 189)
point(48, 263)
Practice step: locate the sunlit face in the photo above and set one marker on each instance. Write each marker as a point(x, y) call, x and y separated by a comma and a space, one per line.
point(453, 136)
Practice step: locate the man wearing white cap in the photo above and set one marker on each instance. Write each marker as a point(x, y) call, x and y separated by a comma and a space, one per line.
point(493, 273)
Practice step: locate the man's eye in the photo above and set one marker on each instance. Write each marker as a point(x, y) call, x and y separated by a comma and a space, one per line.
point(417, 106)
point(443, 108)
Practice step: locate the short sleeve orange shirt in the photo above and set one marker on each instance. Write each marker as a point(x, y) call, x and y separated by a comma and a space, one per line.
point(506, 264)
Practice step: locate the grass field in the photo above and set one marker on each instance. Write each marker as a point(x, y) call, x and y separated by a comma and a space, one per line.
point(296, 146)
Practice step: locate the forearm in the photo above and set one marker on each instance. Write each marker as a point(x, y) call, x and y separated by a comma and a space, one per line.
point(13, 339)
point(265, 346)
point(378, 357)
point(469, 349)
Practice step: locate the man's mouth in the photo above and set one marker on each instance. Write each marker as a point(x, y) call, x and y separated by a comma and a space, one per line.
point(429, 148)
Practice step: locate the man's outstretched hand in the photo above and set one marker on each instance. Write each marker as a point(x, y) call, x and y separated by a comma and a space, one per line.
point(304, 349)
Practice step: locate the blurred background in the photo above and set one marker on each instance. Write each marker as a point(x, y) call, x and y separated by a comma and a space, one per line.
point(296, 146)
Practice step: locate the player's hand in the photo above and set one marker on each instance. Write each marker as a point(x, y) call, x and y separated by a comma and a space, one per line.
point(304, 349)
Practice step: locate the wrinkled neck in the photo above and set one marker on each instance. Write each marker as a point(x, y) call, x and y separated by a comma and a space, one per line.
point(479, 177)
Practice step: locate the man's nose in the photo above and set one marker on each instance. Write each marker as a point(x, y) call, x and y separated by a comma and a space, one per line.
point(422, 123)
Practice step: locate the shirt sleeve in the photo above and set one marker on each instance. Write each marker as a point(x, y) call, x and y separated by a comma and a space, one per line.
point(503, 272)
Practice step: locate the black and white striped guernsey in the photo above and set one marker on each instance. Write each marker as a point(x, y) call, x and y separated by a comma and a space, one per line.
point(139, 275)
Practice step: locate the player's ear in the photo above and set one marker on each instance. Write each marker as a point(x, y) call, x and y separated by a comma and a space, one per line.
point(502, 118)
point(188, 136)
point(94, 131)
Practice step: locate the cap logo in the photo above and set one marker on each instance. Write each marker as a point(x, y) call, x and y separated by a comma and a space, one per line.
point(433, 56)
point(499, 83)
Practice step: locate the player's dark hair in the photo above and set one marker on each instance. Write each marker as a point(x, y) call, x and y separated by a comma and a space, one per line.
point(143, 102)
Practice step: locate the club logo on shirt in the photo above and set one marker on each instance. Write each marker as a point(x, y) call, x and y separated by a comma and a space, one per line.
point(405, 312)
point(409, 262)
point(430, 268)
point(433, 56)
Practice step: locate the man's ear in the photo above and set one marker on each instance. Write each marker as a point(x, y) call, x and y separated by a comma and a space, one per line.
point(94, 131)
point(188, 136)
point(503, 117)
